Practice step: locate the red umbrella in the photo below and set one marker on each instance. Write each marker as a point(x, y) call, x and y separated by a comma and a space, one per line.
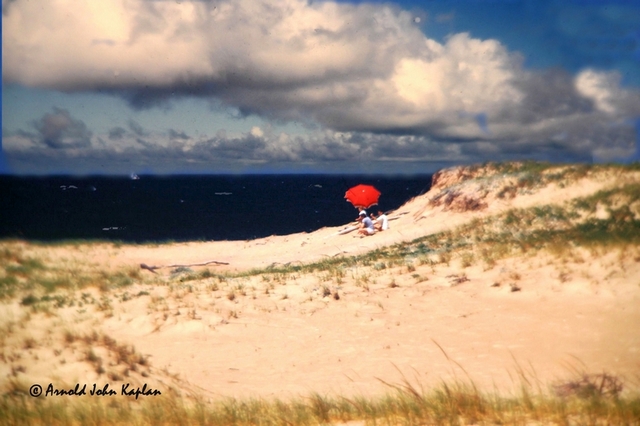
point(363, 196)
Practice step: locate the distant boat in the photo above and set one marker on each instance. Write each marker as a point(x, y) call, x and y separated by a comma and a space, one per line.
point(223, 193)
point(134, 176)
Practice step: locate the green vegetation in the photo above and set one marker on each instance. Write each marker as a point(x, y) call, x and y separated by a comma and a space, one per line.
point(20, 273)
point(546, 172)
point(518, 231)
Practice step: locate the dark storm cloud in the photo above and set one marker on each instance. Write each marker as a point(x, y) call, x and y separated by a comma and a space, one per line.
point(174, 134)
point(319, 147)
point(343, 152)
point(247, 147)
point(145, 143)
point(136, 128)
point(117, 133)
point(550, 93)
point(59, 130)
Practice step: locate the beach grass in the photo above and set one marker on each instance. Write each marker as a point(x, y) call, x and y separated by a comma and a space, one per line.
point(456, 403)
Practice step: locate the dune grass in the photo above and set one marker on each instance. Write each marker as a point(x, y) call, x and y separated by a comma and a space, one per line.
point(457, 403)
point(23, 272)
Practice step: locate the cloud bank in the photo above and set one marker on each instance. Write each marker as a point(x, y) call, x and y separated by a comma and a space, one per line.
point(377, 86)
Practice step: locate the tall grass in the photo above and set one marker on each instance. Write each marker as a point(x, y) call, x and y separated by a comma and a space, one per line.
point(455, 403)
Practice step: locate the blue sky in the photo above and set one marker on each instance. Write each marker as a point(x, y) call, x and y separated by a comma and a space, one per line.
point(295, 86)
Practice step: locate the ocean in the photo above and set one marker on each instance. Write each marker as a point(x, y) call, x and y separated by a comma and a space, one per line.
point(186, 208)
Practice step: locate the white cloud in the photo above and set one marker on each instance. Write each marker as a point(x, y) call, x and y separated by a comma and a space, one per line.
point(256, 132)
point(363, 70)
point(310, 58)
point(605, 91)
point(599, 87)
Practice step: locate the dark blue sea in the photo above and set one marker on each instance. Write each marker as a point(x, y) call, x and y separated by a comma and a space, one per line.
point(186, 208)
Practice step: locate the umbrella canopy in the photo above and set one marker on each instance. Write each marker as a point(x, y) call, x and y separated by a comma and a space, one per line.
point(363, 196)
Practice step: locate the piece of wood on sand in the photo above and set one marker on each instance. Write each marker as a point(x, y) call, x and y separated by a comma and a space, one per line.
point(153, 268)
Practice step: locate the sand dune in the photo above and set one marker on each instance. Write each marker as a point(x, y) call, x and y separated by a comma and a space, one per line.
point(347, 326)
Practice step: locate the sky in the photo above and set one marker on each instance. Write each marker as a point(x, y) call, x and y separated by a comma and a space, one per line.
point(300, 86)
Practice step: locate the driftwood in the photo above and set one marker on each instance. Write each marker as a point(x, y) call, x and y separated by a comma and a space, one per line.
point(153, 268)
point(346, 230)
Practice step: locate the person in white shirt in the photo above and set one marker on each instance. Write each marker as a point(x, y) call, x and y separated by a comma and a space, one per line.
point(381, 222)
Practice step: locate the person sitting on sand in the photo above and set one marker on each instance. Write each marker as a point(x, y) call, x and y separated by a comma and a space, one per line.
point(367, 225)
point(362, 212)
point(381, 222)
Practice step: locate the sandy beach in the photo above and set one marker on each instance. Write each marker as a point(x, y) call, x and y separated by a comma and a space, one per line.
point(403, 304)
